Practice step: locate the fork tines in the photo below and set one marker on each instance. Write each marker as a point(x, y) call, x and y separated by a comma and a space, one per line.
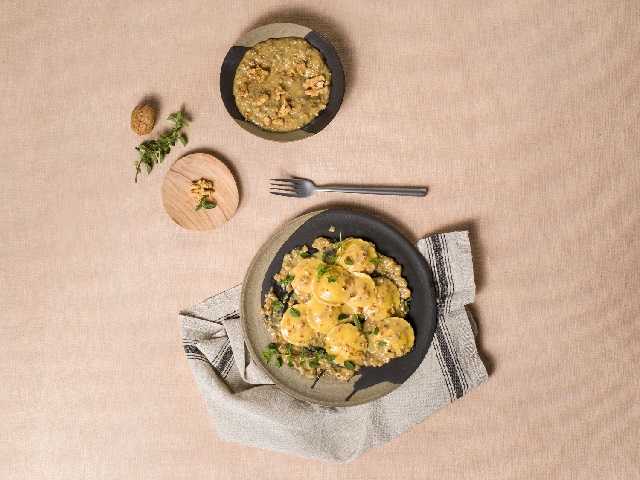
point(286, 187)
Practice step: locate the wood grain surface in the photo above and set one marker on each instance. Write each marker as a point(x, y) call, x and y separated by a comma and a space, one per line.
point(176, 189)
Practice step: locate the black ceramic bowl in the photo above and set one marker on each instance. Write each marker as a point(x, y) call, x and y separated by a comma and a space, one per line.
point(281, 30)
point(369, 383)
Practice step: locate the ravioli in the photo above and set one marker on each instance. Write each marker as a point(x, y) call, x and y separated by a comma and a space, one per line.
point(294, 326)
point(356, 255)
point(321, 317)
point(388, 338)
point(303, 274)
point(387, 300)
point(333, 287)
point(363, 292)
point(347, 343)
point(334, 317)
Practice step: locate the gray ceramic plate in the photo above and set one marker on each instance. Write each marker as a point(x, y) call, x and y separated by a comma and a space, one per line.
point(280, 30)
point(370, 383)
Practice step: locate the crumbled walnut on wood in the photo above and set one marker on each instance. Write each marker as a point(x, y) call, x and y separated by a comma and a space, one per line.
point(261, 100)
point(201, 188)
point(279, 91)
point(285, 110)
point(258, 74)
point(315, 86)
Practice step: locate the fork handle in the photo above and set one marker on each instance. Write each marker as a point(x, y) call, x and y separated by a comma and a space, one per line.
point(407, 192)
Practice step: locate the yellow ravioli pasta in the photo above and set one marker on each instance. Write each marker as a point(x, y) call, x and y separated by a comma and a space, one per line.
point(333, 287)
point(363, 291)
point(389, 338)
point(356, 255)
point(303, 274)
point(347, 342)
point(321, 317)
point(294, 327)
point(387, 300)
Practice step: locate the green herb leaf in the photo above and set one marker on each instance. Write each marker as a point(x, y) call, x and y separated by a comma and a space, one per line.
point(348, 365)
point(382, 344)
point(305, 254)
point(288, 348)
point(322, 269)
point(198, 207)
point(290, 364)
point(343, 316)
point(286, 280)
point(356, 320)
point(154, 151)
point(302, 363)
point(331, 358)
point(278, 362)
point(277, 305)
point(348, 261)
point(209, 206)
point(331, 280)
point(294, 313)
point(314, 364)
point(376, 331)
point(266, 355)
point(375, 260)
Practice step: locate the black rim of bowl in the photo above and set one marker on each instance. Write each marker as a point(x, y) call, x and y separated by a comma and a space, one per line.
point(228, 72)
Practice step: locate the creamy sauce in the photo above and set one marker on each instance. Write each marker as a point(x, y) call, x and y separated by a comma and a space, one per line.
point(343, 308)
point(282, 84)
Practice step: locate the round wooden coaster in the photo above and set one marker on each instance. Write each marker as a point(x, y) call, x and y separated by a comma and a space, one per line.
point(176, 189)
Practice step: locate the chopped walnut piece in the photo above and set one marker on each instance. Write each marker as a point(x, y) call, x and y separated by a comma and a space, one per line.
point(285, 110)
point(278, 121)
point(201, 188)
point(258, 74)
point(279, 91)
point(242, 90)
point(301, 68)
point(266, 120)
point(315, 86)
point(261, 99)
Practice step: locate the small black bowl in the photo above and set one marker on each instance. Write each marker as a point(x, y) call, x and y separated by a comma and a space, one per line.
point(281, 30)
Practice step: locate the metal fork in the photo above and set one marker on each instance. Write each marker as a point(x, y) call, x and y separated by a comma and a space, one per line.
point(302, 188)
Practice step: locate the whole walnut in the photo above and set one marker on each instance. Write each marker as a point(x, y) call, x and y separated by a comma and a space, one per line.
point(143, 118)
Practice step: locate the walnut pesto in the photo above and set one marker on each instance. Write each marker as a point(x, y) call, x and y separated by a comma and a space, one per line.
point(282, 84)
point(337, 306)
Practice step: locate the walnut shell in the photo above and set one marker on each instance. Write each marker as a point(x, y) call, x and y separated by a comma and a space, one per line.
point(143, 118)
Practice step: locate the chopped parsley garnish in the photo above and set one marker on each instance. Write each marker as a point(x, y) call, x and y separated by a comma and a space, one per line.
point(322, 269)
point(375, 260)
point(287, 280)
point(277, 305)
point(331, 279)
point(376, 331)
point(348, 261)
point(382, 344)
point(348, 365)
point(314, 364)
point(342, 316)
point(305, 254)
point(278, 361)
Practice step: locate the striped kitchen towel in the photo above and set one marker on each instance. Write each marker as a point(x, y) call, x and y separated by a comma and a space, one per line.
point(247, 408)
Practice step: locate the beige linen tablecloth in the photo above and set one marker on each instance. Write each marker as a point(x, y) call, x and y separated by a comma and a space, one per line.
point(523, 120)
